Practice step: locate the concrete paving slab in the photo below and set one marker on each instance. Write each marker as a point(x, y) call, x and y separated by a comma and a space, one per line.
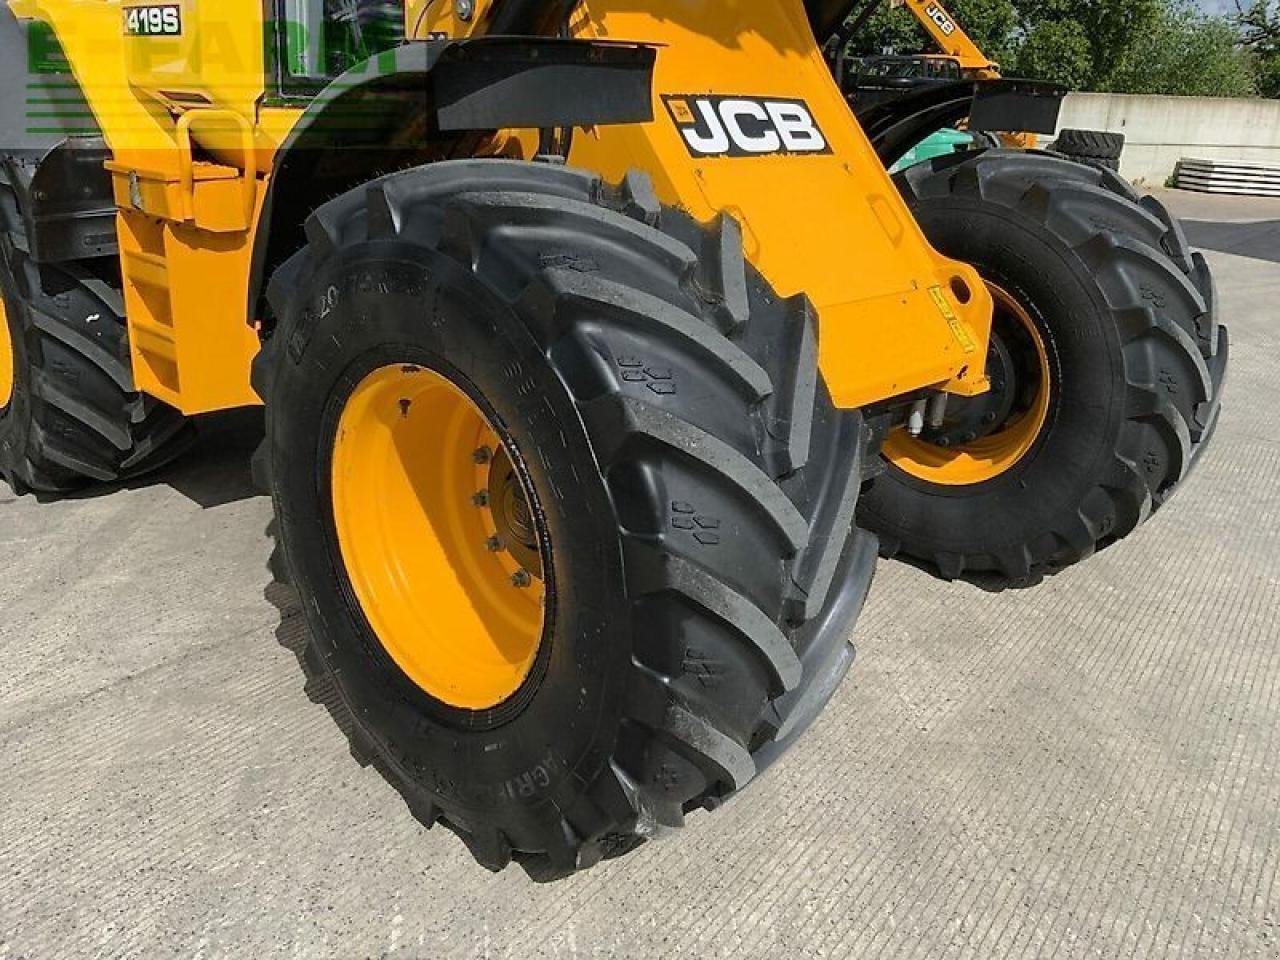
point(1087, 769)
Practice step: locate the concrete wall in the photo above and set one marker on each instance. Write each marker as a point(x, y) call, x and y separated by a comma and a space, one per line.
point(1163, 130)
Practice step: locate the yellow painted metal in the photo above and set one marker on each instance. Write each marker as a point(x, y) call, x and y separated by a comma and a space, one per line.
point(411, 460)
point(7, 359)
point(442, 18)
point(999, 452)
point(137, 127)
point(191, 146)
point(950, 37)
point(831, 225)
point(185, 290)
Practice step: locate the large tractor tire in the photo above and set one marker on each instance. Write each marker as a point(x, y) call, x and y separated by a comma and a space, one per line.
point(564, 498)
point(69, 413)
point(1107, 369)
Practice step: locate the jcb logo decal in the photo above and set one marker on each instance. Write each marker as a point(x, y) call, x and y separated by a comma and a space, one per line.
point(939, 16)
point(745, 126)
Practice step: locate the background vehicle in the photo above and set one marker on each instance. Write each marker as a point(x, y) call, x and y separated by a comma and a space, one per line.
point(872, 80)
point(573, 378)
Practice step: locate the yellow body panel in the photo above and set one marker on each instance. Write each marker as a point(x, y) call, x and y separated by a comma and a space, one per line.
point(831, 225)
point(186, 224)
point(895, 316)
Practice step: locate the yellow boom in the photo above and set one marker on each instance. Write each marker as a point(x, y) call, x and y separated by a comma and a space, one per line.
point(950, 36)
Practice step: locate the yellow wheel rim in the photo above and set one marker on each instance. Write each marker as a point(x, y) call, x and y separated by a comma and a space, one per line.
point(1000, 451)
point(437, 537)
point(6, 358)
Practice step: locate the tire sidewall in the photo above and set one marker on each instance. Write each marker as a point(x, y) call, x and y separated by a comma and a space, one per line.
point(1087, 409)
point(15, 417)
point(385, 303)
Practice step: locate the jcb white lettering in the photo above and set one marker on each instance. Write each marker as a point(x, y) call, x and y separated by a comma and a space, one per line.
point(939, 16)
point(733, 112)
point(799, 132)
point(745, 126)
point(716, 140)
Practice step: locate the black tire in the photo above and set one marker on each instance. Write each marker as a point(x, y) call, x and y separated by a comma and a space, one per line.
point(1111, 165)
point(75, 417)
point(706, 566)
point(1138, 360)
point(1091, 145)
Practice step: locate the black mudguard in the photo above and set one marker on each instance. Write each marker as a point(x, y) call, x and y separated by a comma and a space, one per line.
point(898, 125)
point(429, 101)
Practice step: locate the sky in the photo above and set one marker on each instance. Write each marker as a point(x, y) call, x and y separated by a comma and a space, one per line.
point(1217, 6)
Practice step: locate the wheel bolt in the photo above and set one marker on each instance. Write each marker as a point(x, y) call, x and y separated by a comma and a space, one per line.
point(495, 545)
point(480, 498)
point(989, 418)
point(521, 578)
point(482, 455)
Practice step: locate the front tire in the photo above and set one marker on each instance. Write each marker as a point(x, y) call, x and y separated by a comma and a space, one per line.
point(1134, 361)
point(691, 485)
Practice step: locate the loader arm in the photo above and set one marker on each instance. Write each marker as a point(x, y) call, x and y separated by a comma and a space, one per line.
point(950, 37)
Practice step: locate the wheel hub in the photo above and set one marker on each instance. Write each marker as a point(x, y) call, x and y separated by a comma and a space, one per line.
point(983, 437)
point(512, 516)
point(972, 418)
point(437, 536)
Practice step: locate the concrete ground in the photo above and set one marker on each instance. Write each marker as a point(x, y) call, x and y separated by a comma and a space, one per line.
point(1088, 769)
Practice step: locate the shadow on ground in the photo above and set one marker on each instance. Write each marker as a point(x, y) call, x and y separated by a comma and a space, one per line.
point(212, 472)
point(1259, 240)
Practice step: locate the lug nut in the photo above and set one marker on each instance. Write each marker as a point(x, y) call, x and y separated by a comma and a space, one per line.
point(495, 545)
point(480, 498)
point(482, 455)
point(521, 578)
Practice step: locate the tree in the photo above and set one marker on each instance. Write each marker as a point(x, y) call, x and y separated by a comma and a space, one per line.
point(1186, 53)
point(1259, 24)
point(1120, 46)
point(1082, 42)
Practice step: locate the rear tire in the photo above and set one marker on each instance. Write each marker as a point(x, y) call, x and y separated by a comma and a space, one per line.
point(695, 486)
point(1137, 357)
point(74, 416)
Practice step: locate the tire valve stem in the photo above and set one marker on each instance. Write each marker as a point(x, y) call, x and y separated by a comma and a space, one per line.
point(915, 423)
point(521, 579)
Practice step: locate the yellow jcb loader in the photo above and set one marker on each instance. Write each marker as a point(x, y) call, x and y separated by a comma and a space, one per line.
point(598, 353)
